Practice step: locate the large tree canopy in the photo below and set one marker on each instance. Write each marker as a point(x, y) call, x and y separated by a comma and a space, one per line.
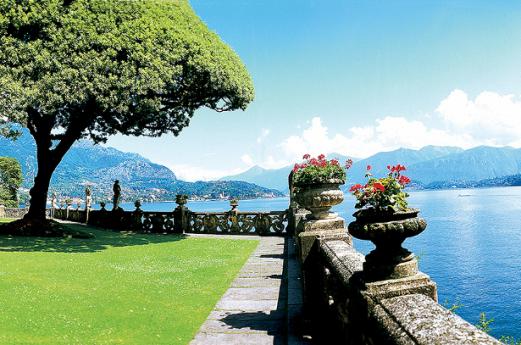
point(10, 180)
point(93, 68)
point(135, 67)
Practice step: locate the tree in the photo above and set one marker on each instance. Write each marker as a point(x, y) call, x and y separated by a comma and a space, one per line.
point(10, 180)
point(71, 69)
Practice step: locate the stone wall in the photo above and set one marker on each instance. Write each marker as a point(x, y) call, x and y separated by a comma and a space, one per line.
point(343, 307)
point(13, 213)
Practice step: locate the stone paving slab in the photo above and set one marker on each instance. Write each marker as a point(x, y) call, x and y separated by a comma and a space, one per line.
point(254, 309)
point(236, 339)
point(253, 282)
point(264, 302)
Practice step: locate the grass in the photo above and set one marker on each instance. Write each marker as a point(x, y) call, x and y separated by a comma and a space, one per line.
point(117, 288)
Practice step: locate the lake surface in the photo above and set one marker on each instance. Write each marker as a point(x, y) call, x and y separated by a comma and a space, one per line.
point(471, 247)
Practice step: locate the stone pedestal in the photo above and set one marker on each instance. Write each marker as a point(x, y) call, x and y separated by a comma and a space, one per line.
point(419, 283)
point(311, 230)
point(2, 211)
point(376, 269)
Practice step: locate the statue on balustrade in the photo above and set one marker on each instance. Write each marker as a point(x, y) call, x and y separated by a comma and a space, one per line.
point(88, 198)
point(117, 196)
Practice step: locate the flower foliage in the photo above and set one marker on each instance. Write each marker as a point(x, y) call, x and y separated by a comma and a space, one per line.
point(383, 193)
point(319, 170)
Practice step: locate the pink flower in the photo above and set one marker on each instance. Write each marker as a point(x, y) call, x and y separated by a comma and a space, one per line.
point(321, 157)
point(334, 162)
point(369, 167)
point(306, 156)
point(349, 163)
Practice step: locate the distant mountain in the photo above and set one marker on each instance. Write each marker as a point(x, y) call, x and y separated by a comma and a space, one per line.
point(99, 166)
point(431, 167)
point(407, 157)
point(278, 178)
point(471, 165)
point(271, 178)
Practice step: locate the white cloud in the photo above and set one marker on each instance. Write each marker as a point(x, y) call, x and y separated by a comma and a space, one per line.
point(246, 159)
point(314, 140)
point(490, 119)
point(271, 163)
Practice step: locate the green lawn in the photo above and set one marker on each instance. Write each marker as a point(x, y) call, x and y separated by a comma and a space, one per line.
point(114, 289)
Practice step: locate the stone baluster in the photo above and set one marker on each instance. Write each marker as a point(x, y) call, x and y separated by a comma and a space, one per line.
point(181, 214)
point(2, 211)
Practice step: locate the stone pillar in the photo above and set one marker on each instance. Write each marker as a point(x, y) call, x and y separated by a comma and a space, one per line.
point(69, 205)
point(54, 204)
point(137, 217)
point(2, 211)
point(310, 231)
point(233, 215)
point(309, 234)
point(181, 214)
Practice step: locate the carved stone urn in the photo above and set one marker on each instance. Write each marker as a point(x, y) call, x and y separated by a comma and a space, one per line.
point(387, 230)
point(234, 203)
point(181, 199)
point(318, 198)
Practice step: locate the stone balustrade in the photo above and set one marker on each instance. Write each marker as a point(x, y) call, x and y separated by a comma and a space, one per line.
point(7, 212)
point(345, 305)
point(182, 220)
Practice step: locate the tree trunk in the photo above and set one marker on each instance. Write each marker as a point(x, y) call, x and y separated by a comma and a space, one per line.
point(40, 190)
point(48, 156)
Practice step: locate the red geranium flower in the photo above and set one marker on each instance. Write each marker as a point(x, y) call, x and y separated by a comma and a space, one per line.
point(321, 157)
point(379, 186)
point(404, 180)
point(356, 187)
point(306, 156)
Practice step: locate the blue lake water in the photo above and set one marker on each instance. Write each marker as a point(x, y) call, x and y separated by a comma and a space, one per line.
point(471, 247)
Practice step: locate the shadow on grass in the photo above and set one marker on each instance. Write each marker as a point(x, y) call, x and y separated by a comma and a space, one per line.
point(103, 240)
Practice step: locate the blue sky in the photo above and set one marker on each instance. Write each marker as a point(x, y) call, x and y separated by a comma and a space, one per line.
point(354, 77)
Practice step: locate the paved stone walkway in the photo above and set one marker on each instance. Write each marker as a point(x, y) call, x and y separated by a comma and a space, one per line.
point(263, 304)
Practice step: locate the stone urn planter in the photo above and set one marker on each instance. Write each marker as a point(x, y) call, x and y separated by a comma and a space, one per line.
point(387, 230)
point(318, 198)
point(234, 203)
